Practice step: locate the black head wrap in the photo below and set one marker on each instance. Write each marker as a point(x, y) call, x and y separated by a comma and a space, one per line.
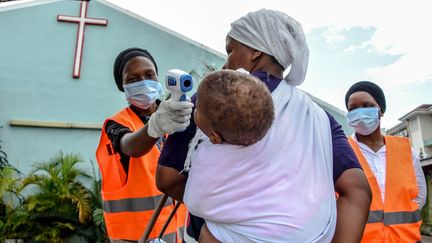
point(374, 90)
point(123, 58)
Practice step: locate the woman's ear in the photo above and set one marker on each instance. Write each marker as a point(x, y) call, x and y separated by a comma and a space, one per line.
point(255, 54)
point(215, 138)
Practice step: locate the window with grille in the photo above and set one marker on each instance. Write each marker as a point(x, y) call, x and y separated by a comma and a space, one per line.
point(414, 124)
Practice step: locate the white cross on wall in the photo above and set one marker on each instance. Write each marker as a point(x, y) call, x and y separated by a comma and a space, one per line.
point(81, 20)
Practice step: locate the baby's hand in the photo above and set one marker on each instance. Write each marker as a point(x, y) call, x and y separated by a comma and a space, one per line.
point(206, 236)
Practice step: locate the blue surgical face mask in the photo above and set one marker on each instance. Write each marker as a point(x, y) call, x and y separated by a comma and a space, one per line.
point(143, 94)
point(364, 120)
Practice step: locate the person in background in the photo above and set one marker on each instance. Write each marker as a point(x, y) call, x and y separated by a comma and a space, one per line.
point(392, 167)
point(266, 43)
point(130, 146)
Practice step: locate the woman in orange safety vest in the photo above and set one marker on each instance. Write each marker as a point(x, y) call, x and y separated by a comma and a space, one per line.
point(129, 149)
point(391, 166)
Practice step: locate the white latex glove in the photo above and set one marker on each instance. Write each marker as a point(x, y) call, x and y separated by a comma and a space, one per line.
point(170, 117)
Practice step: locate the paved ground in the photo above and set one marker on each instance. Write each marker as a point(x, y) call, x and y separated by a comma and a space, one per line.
point(426, 239)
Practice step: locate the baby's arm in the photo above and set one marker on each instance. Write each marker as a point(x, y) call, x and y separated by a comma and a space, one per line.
point(206, 236)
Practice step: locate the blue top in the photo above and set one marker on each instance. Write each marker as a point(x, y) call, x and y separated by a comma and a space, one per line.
point(176, 146)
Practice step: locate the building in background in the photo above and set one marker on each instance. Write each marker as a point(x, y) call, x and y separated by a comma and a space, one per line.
point(417, 126)
point(58, 87)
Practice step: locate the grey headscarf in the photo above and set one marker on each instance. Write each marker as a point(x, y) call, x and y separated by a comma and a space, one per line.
point(277, 35)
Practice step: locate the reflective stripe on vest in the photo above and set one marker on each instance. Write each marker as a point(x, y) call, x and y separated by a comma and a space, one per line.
point(133, 204)
point(397, 217)
point(376, 216)
point(129, 200)
point(171, 237)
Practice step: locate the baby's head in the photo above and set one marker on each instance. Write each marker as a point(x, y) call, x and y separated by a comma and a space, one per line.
point(233, 107)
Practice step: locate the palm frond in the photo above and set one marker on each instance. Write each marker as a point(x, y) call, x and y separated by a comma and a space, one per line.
point(82, 199)
point(58, 204)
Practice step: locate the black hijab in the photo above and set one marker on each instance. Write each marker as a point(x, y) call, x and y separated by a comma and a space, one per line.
point(123, 58)
point(374, 90)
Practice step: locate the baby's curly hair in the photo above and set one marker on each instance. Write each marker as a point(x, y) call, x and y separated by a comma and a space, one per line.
point(238, 106)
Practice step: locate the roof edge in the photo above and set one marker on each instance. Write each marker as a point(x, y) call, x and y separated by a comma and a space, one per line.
point(162, 28)
point(30, 3)
point(23, 4)
point(414, 113)
point(320, 101)
point(424, 109)
point(400, 126)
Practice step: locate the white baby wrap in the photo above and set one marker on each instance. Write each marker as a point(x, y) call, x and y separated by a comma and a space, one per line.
point(277, 190)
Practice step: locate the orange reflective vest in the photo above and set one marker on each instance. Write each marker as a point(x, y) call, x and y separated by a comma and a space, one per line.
point(129, 201)
point(397, 219)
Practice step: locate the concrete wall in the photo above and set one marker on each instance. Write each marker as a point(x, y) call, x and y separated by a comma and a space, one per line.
point(426, 128)
point(415, 133)
point(36, 60)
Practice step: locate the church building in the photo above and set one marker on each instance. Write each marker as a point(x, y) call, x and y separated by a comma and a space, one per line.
point(57, 85)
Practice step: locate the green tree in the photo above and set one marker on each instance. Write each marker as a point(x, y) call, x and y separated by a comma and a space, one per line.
point(98, 219)
point(9, 196)
point(9, 177)
point(59, 205)
point(426, 228)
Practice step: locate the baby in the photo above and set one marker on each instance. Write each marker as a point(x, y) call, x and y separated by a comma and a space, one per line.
point(233, 107)
point(233, 112)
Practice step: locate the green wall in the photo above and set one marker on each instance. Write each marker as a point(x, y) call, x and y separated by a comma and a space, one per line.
point(36, 61)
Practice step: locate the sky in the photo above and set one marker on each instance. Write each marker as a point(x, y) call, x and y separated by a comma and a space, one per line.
point(387, 42)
